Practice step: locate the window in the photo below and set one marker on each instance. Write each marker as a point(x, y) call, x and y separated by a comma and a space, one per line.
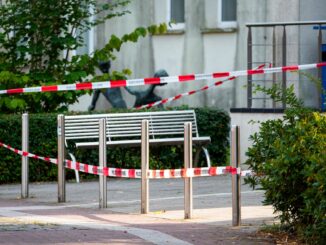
point(227, 13)
point(88, 37)
point(88, 47)
point(176, 13)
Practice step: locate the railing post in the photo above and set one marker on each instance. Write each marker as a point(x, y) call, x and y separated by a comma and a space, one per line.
point(188, 164)
point(274, 60)
point(249, 60)
point(144, 167)
point(284, 75)
point(61, 159)
point(320, 40)
point(102, 158)
point(25, 160)
point(235, 159)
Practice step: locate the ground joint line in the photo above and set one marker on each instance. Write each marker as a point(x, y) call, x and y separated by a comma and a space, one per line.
point(149, 235)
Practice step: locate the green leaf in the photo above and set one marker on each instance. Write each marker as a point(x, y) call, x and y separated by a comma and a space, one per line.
point(115, 42)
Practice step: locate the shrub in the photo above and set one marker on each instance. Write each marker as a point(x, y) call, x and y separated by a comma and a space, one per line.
point(289, 157)
point(43, 141)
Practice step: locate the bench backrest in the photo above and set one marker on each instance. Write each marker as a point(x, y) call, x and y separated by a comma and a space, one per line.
point(128, 125)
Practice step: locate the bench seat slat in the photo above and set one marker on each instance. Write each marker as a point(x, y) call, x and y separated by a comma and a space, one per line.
point(161, 132)
point(126, 130)
point(176, 128)
point(117, 135)
point(152, 122)
point(78, 127)
point(131, 117)
point(152, 142)
point(134, 114)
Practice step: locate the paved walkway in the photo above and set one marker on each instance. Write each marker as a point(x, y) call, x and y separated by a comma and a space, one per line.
point(31, 221)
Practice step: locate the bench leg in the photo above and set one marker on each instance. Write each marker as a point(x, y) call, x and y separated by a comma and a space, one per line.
point(208, 159)
point(76, 172)
point(198, 151)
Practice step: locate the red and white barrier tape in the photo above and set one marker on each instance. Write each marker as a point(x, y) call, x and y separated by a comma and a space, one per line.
point(179, 96)
point(136, 173)
point(192, 172)
point(158, 80)
point(246, 173)
point(27, 154)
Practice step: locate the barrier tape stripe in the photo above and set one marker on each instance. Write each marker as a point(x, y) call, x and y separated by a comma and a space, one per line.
point(136, 173)
point(158, 80)
point(27, 154)
point(179, 96)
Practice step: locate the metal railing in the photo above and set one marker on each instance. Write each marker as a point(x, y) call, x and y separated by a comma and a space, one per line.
point(275, 57)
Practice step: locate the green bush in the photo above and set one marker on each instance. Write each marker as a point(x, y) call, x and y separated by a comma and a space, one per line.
point(289, 157)
point(43, 141)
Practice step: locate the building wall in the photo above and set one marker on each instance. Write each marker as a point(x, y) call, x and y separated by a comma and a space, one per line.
point(302, 43)
point(202, 47)
point(249, 124)
point(310, 10)
point(257, 11)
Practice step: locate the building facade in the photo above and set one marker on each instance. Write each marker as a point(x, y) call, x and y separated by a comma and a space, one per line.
point(211, 36)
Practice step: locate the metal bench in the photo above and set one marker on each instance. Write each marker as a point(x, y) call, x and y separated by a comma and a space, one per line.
point(124, 130)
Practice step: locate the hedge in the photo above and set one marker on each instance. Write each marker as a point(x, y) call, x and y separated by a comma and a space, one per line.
point(43, 141)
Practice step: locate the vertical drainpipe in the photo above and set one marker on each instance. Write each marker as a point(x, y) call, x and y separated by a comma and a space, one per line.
point(249, 62)
point(193, 51)
point(274, 59)
point(284, 75)
point(320, 39)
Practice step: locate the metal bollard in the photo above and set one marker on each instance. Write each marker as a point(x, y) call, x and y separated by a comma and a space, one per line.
point(144, 167)
point(61, 159)
point(188, 200)
point(25, 160)
point(102, 158)
point(236, 181)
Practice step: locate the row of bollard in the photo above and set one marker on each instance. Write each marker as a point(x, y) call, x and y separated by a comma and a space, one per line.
point(188, 197)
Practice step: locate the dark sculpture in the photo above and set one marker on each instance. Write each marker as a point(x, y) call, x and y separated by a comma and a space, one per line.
point(148, 96)
point(114, 96)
